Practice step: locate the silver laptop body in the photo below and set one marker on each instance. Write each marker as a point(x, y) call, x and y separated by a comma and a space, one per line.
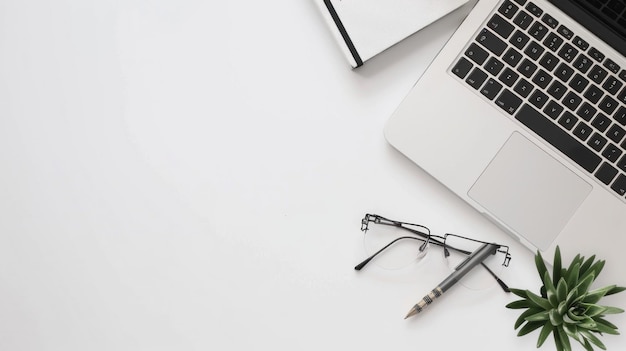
point(481, 127)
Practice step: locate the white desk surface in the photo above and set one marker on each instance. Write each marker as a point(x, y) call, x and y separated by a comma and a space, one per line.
point(191, 175)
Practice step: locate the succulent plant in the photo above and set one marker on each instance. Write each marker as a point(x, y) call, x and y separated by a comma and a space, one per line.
point(566, 307)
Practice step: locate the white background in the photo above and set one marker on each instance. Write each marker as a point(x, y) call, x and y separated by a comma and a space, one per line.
point(191, 175)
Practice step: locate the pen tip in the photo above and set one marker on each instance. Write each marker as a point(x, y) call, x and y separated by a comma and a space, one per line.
point(411, 313)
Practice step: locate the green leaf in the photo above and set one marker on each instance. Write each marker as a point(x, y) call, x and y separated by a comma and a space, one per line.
point(540, 301)
point(550, 290)
point(595, 295)
point(584, 267)
point(529, 327)
point(563, 338)
point(519, 304)
point(571, 296)
point(541, 266)
point(583, 286)
point(594, 270)
point(593, 339)
point(593, 310)
point(556, 270)
point(555, 317)
point(606, 328)
point(612, 310)
point(588, 346)
point(543, 335)
point(522, 318)
point(519, 292)
point(539, 317)
point(573, 275)
point(615, 290)
point(561, 290)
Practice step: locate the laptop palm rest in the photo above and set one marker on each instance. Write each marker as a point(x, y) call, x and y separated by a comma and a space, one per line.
point(529, 191)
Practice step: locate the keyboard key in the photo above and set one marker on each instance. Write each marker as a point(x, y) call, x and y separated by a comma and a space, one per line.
point(596, 55)
point(598, 74)
point(494, 66)
point(619, 186)
point(527, 68)
point(523, 19)
point(491, 89)
point(557, 90)
point(500, 26)
point(568, 52)
point(620, 116)
point(566, 32)
point(550, 21)
point(612, 85)
point(564, 72)
point(597, 142)
point(616, 133)
point(534, 50)
point(508, 101)
point(608, 105)
point(612, 153)
point(586, 111)
point(601, 122)
point(578, 83)
point(553, 109)
point(519, 40)
point(553, 41)
point(491, 42)
point(534, 9)
point(583, 131)
point(622, 163)
point(508, 9)
point(622, 96)
point(549, 61)
point(476, 78)
point(512, 57)
point(462, 68)
point(572, 101)
point(538, 31)
point(606, 173)
point(523, 87)
point(611, 66)
point(521, 2)
point(542, 79)
point(593, 94)
point(538, 99)
point(622, 74)
point(583, 63)
point(580, 43)
point(558, 138)
point(568, 120)
point(476, 54)
point(508, 77)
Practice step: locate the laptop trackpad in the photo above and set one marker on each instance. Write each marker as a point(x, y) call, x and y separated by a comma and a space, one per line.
point(530, 191)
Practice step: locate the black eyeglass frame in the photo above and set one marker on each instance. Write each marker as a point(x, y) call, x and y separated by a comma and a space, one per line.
point(426, 237)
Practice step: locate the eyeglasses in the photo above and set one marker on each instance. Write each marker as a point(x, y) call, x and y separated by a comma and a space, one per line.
point(411, 242)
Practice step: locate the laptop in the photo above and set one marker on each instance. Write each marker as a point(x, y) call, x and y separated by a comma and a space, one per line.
point(523, 115)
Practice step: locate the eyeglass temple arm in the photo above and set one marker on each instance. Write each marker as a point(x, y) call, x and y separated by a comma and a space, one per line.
point(359, 266)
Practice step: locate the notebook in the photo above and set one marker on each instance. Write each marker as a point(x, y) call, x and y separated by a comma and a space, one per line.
point(365, 28)
point(523, 115)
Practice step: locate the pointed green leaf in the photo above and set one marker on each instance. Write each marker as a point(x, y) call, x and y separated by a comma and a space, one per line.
point(612, 310)
point(564, 339)
point(539, 317)
point(522, 317)
point(615, 290)
point(593, 310)
point(561, 290)
point(593, 339)
point(595, 269)
point(556, 269)
point(518, 304)
point(543, 335)
point(584, 267)
point(555, 317)
point(571, 296)
point(604, 328)
point(550, 290)
point(587, 345)
point(597, 294)
point(540, 301)
point(541, 266)
point(519, 292)
point(583, 286)
point(573, 275)
point(529, 327)
point(605, 322)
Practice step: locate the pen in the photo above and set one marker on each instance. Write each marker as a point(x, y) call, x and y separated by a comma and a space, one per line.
point(462, 269)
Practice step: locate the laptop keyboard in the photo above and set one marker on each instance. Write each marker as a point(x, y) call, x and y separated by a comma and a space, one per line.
point(556, 84)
